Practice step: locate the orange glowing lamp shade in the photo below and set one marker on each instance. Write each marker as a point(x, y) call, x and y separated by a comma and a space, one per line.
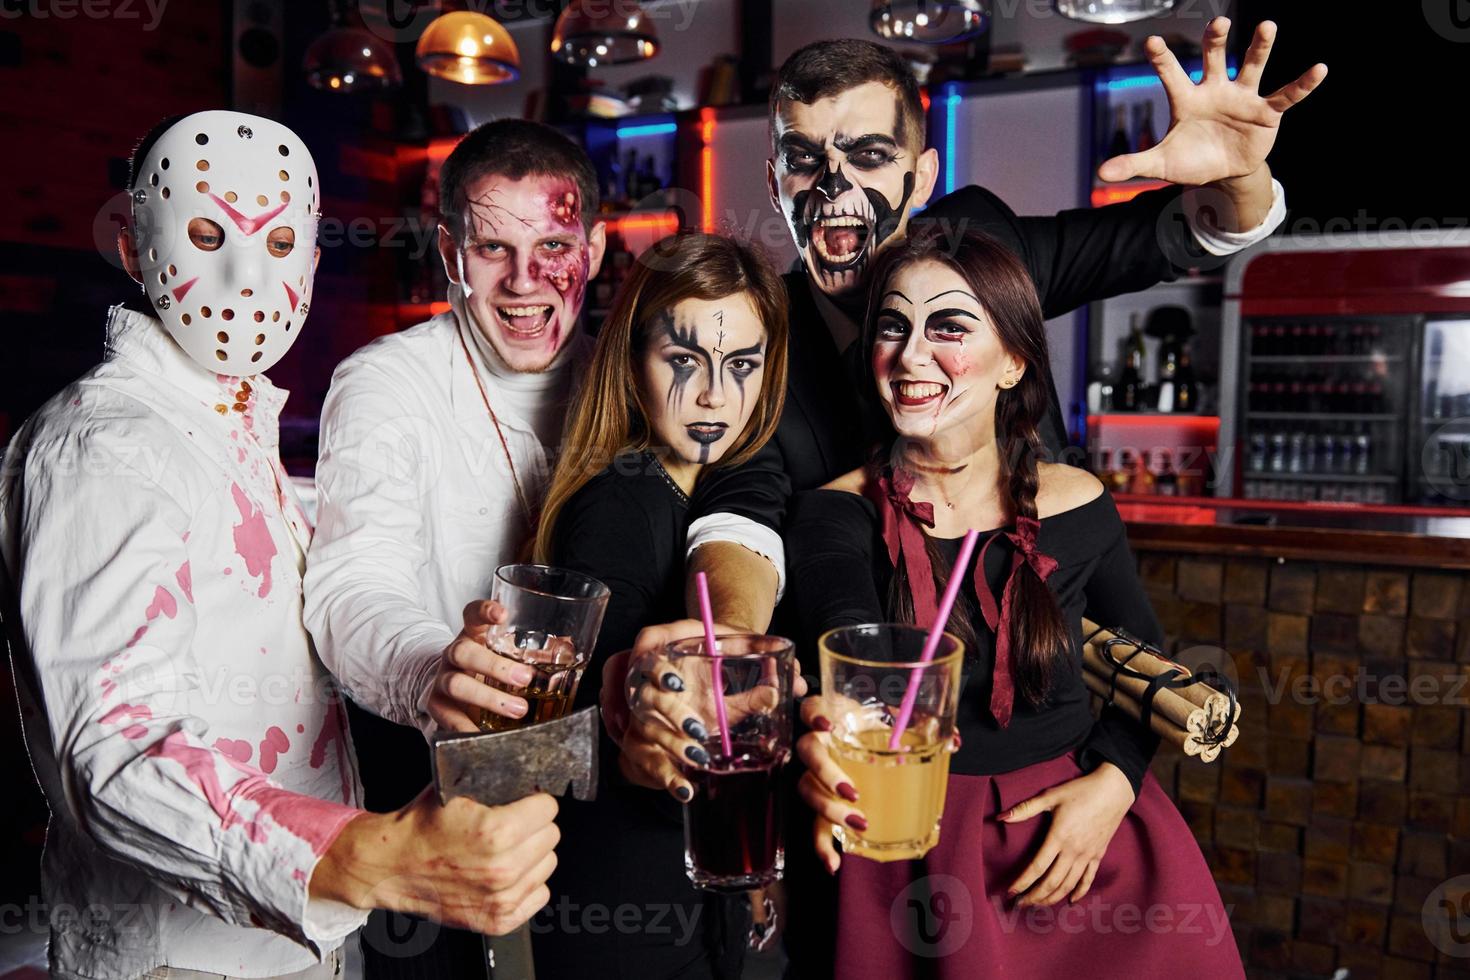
point(470, 48)
point(603, 32)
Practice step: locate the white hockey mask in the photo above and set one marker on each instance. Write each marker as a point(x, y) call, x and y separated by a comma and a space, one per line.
point(236, 296)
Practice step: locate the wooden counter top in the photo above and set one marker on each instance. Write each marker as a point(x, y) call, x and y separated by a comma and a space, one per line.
point(1413, 537)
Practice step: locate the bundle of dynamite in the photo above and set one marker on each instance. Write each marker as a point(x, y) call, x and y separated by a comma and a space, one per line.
point(1196, 711)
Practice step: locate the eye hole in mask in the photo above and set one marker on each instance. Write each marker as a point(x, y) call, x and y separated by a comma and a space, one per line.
point(280, 242)
point(206, 235)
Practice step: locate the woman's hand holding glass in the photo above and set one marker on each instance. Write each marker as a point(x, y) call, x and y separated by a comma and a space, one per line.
point(661, 718)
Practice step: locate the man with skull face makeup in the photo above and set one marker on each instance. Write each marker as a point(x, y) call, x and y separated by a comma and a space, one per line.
point(153, 550)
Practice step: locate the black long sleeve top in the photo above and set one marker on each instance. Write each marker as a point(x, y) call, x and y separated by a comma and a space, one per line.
point(839, 572)
point(626, 527)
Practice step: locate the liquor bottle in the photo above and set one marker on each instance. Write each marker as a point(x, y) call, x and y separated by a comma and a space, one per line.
point(1186, 391)
point(1277, 462)
point(1167, 483)
point(1362, 453)
point(1131, 382)
point(1120, 143)
point(1120, 475)
point(1327, 453)
point(1257, 461)
point(1143, 477)
point(1146, 139)
point(1296, 450)
point(1168, 373)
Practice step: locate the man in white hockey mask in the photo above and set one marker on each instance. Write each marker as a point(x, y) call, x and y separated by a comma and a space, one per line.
point(205, 805)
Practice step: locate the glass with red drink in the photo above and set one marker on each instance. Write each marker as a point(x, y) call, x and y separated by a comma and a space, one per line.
point(732, 824)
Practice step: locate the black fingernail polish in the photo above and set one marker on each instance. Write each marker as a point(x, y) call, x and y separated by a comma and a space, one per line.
point(694, 729)
point(683, 793)
point(673, 681)
point(697, 755)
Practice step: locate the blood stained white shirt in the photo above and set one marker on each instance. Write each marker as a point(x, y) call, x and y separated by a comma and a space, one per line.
point(191, 746)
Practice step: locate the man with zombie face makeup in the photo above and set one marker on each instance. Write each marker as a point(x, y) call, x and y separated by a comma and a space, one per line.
point(153, 551)
point(437, 444)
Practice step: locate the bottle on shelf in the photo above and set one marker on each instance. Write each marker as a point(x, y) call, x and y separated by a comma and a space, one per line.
point(1146, 139)
point(1186, 391)
point(1276, 461)
point(1256, 461)
point(1167, 482)
point(1120, 476)
point(1100, 389)
point(1119, 143)
point(1362, 453)
point(1296, 452)
point(1142, 479)
point(1130, 383)
point(1168, 373)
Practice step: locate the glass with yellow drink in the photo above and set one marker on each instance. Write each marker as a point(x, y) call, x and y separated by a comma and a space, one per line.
point(866, 671)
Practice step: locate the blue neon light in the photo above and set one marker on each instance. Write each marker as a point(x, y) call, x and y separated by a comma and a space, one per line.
point(1144, 81)
point(951, 114)
point(648, 129)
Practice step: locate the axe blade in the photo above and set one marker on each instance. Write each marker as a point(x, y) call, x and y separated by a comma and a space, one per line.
point(496, 768)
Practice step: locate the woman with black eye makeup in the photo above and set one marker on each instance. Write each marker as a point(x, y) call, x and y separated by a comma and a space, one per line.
point(1059, 854)
point(688, 375)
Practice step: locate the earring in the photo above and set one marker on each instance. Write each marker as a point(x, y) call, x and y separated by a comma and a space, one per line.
point(1008, 383)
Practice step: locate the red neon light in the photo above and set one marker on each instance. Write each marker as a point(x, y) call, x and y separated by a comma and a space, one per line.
point(924, 98)
point(1115, 194)
point(417, 312)
point(440, 148)
point(707, 170)
point(1310, 506)
point(642, 222)
point(1120, 419)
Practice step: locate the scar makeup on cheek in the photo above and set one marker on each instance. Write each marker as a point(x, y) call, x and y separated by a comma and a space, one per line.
point(955, 363)
point(567, 274)
point(564, 207)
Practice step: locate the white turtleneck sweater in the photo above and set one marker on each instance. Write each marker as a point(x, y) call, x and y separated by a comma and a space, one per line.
point(418, 505)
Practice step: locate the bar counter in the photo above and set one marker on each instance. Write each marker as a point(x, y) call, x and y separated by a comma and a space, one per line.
point(1419, 537)
point(1342, 805)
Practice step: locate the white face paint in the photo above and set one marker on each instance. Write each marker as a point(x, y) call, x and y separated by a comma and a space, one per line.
point(937, 359)
point(225, 222)
point(701, 372)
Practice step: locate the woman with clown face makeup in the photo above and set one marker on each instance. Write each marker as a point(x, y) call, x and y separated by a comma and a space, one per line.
point(688, 376)
point(1044, 804)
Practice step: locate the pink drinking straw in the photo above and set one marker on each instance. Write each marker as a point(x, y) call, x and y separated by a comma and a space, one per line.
point(701, 583)
point(931, 642)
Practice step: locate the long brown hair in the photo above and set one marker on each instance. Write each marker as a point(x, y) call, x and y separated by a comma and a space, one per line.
point(609, 417)
point(1039, 635)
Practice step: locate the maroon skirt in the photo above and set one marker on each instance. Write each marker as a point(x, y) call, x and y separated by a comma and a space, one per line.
point(1153, 910)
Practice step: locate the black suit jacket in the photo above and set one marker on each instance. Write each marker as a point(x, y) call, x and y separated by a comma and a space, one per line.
point(1074, 257)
